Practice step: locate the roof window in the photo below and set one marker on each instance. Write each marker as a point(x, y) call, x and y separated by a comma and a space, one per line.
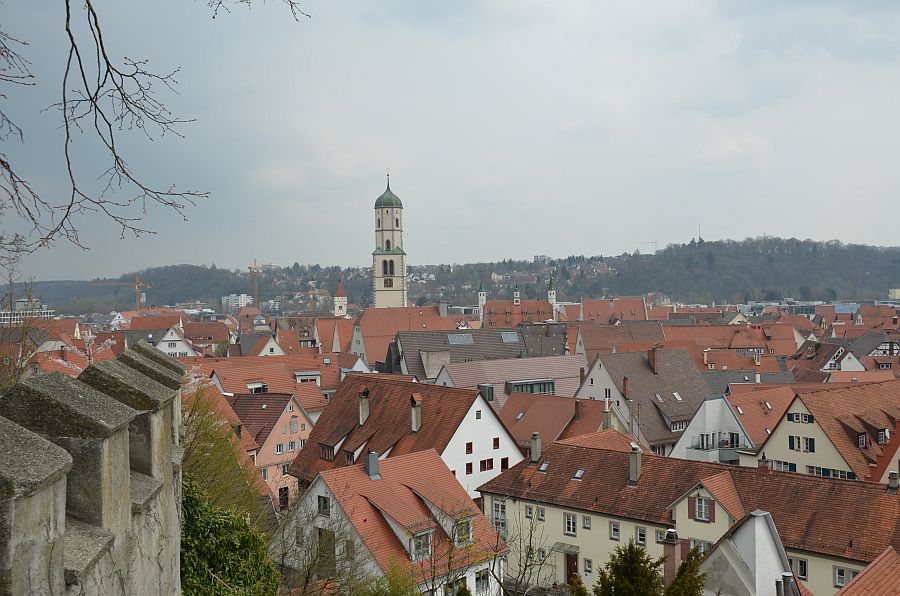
point(768, 405)
point(460, 339)
point(509, 337)
point(659, 398)
point(579, 474)
point(740, 410)
point(543, 468)
point(676, 396)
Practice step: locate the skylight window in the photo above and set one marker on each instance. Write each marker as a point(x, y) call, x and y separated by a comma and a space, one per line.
point(740, 410)
point(460, 339)
point(509, 337)
point(768, 405)
point(659, 397)
point(579, 474)
point(544, 466)
point(676, 396)
point(519, 416)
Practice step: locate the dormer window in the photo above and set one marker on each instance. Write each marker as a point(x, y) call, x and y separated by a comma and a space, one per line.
point(884, 435)
point(421, 546)
point(326, 452)
point(462, 532)
point(861, 440)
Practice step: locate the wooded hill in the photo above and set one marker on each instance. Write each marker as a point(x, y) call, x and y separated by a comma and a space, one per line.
point(697, 272)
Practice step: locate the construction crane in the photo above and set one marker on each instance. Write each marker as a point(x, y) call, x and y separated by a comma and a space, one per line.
point(137, 284)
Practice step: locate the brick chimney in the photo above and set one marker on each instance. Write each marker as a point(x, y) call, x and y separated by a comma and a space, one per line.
point(363, 405)
point(625, 387)
point(535, 454)
point(672, 551)
point(893, 483)
point(762, 466)
point(651, 358)
point(706, 357)
point(578, 407)
point(415, 406)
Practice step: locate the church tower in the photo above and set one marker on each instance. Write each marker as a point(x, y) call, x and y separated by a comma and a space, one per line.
point(340, 300)
point(388, 258)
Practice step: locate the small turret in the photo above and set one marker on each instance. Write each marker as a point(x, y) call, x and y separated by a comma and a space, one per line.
point(482, 300)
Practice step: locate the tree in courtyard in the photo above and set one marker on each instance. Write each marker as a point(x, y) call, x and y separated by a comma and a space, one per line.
point(630, 571)
point(220, 552)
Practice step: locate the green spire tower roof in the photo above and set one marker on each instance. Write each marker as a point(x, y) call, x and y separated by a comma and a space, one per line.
point(388, 199)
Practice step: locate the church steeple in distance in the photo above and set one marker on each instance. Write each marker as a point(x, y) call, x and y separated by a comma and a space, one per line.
point(388, 258)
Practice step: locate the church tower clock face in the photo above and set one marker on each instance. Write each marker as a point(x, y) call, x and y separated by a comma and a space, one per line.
point(388, 258)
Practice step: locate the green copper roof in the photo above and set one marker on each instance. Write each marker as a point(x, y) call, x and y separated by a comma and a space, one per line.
point(388, 199)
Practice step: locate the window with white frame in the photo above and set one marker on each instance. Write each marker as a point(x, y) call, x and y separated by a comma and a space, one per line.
point(529, 511)
point(614, 531)
point(292, 446)
point(701, 510)
point(570, 524)
point(421, 546)
point(542, 555)
point(462, 532)
point(499, 514)
point(586, 522)
point(660, 536)
point(264, 472)
point(800, 567)
point(279, 448)
point(293, 426)
point(703, 545)
point(640, 535)
point(540, 513)
point(588, 566)
point(842, 576)
point(482, 581)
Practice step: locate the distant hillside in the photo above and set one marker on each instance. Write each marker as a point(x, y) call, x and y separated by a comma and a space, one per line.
point(704, 272)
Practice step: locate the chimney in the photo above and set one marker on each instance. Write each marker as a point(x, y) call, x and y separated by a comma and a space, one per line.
point(706, 357)
point(62, 354)
point(787, 582)
point(779, 587)
point(893, 483)
point(758, 378)
point(535, 447)
point(651, 358)
point(625, 387)
point(762, 466)
point(581, 374)
point(577, 409)
point(370, 464)
point(415, 406)
point(607, 415)
point(442, 308)
point(363, 405)
point(634, 464)
point(672, 555)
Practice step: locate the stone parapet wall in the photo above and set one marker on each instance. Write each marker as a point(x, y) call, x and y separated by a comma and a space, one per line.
point(90, 479)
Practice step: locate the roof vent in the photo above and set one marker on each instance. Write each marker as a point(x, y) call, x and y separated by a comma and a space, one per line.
point(893, 483)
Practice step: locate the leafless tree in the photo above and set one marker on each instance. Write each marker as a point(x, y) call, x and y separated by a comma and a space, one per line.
point(100, 97)
point(525, 564)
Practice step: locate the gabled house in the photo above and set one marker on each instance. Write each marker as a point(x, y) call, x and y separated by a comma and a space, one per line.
point(850, 432)
point(657, 392)
point(423, 353)
point(377, 327)
point(750, 560)
point(814, 361)
point(587, 495)
point(279, 425)
point(393, 417)
point(405, 514)
point(173, 343)
point(882, 576)
point(497, 379)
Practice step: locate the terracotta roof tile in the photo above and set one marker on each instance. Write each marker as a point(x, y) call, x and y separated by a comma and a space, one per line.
point(407, 484)
point(758, 418)
point(721, 487)
point(379, 326)
point(388, 424)
point(810, 512)
point(880, 577)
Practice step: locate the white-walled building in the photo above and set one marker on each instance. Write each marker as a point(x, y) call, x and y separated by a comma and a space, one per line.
point(403, 514)
point(393, 417)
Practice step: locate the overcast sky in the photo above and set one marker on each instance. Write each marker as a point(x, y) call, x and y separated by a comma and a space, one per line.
point(511, 128)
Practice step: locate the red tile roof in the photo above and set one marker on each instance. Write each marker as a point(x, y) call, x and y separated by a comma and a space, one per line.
point(150, 322)
point(259, 412)
point(758, 418)
point(408, 485)
point(206, 332)
point(379, 326)
point(880, 577)
point(505, 313)
point(810, 512)
point(388, 424)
